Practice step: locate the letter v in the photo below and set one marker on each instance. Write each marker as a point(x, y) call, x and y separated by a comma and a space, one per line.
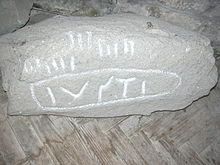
point(73, 94)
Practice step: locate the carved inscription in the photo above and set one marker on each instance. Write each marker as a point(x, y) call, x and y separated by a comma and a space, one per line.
point(67, 89)
point(85, 89)
point(84, 41)
point(77, 42)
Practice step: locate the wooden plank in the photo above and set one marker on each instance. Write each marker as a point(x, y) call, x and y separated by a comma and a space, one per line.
point(191, 157)
point(63, 125)
point(35, 150)
point(67, 149)
point(124, 148)
point(134, 124)
point(182, 132)
point(10, 150)
point(66, 127)
point(206, 136)
point(45, 129)
point(166, 156)
point(160, 123)
point(99, 144)
point(212, 153)
point(147, 150)
point(48, 135)
point(106, 124)
point(174, 152)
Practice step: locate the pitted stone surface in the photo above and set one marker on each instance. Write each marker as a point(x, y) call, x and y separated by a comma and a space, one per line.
point(104, 66)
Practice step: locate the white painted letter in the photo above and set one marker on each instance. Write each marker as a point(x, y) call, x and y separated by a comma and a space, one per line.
point(72, 63)
point(128, 47)
point(116, 50)
point(73, 94)
point(89, 39)
point(100, 48)
point(143, 86)
point(54, 63)
point(102, 87)
point(108, 50)
point(51, 95)
point(70, 35)
point(125, 84)
point(80, 41)
point(48, 68)
point(62, 63)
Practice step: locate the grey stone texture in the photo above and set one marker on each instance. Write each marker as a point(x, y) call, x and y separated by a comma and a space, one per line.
point(14, 14)
point(202, 16)
point(104, 66)
point(76, 7)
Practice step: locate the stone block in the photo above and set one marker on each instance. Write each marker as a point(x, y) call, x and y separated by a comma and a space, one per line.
point(104, 66)
point(14, 14)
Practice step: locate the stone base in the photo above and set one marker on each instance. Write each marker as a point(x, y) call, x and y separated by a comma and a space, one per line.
point(104, 66)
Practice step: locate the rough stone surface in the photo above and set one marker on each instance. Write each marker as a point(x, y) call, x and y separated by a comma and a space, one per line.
point(104, 66)
point(76, 7)
point(197, 6)
point(14, 14)
point(202, 16)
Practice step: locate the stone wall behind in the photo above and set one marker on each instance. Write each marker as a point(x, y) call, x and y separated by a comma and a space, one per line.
point(202, 16)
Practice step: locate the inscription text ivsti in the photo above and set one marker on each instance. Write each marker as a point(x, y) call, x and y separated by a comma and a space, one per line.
point(118, 86)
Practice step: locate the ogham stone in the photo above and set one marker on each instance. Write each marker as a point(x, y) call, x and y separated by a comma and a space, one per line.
point(104, 66)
